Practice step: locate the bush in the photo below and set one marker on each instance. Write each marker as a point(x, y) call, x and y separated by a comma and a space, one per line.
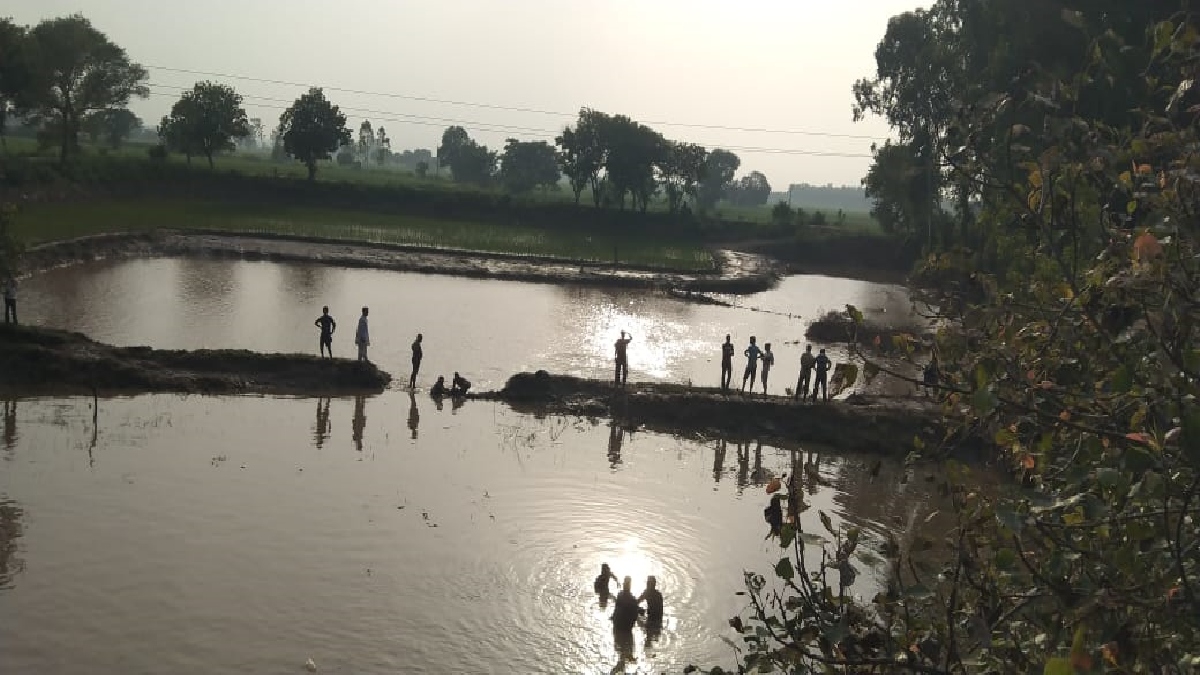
point(158, 153)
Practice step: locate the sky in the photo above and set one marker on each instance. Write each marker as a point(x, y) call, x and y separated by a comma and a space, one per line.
point(769, 79)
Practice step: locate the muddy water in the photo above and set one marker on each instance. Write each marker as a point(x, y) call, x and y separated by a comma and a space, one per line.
point(485, 329)
point(385, 534)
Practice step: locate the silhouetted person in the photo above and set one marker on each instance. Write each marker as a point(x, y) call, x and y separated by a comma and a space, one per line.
point(439, 388)
point(322, 431)
point(417, 354)
point(768, 360)
point(10, 299)
point(327, 326)
point(625, 610)
point(773, 514)
point(752, 353)
point(806, 367)
point(622, 358)
point(600, 585)
point(414, 415)
point(823, 364)
point(362, 336)
point(359, 423)
point(654, 603)
point(459, 386)
point(726, 363)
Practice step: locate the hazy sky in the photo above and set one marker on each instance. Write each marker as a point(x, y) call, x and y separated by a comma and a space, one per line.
point(783, 65)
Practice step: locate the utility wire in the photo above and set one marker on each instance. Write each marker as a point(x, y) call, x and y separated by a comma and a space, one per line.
point(405, 118)
point(490, 106)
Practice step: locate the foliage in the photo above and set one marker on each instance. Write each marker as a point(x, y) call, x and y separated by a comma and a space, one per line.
point(312, 129)
point(751, 190)
point(681, 170)
point(74, 70)
point(383, 146)
point(527, 165)
point(633, 151)
point(11, 245)
point(14, 68)
point(205, 121)
point(113, 125)
point(366, 140)
point(582, 153)
point(1069, 346)
point(469, 161)
point(719, 169)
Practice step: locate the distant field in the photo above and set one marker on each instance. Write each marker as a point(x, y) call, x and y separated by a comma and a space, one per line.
point(51, 222)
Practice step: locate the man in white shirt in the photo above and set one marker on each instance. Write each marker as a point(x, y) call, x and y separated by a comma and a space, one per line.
point(10, 299)
point(362, 337)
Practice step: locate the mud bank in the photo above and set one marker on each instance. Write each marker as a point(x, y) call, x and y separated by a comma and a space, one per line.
point(864, 424)
point(53, 362)
point(738, 272)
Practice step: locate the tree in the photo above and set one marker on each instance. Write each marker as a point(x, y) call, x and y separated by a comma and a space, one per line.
point(632, 151)
point(366, 140)
point(896, 182)
point(455, 140)
point(469, 161)
point(525, 166)
point(719, 169)
point(751, 190)
point(14, 70)
point(206, 120)
point(313, 128)
point(582, 154)
point(113, 126)
point(75, 70)
point(383, 147)
point(681, 172)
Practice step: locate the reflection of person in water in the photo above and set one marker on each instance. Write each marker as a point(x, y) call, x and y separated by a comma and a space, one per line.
point(616, 437)
point(414, 415)
point(743, 457)
point(359, 422)
point(321, 432)
point(719, 460)
point(10, 425)
point(625, 610)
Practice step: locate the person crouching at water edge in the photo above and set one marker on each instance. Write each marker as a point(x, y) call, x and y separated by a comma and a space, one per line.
point(362, 337)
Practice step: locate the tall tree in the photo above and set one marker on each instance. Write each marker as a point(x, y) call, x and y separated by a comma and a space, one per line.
point(112, 126)
point(753, 189)
point(313, 128)
point(14, 70)
point(719, 169)
point(681, 171)
point(582, 154)
point(76, 69)
point(207, 119)
point(633, 151)
point(383, 146)
point(527, 165)
point(469, 161)
point(455, 140)
point(366, 140)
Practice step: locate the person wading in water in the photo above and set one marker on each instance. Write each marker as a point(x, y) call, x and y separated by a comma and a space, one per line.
point(622, 359)
point(327, 326)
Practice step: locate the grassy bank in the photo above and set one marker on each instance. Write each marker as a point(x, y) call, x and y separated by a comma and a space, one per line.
point(45, 222)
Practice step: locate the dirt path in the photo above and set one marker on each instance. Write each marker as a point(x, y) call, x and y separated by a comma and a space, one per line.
point(739, 272)
point(54, 362)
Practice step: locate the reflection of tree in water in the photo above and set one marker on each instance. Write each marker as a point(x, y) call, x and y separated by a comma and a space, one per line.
point(304, 280)
point(359, 422)
point(321, 430)
point(414, 415)
point(10, 425)
point(10, 531)
point(616, 438)
point(205, 283)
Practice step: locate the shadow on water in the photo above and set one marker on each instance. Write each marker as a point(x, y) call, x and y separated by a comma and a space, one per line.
point(10, 531)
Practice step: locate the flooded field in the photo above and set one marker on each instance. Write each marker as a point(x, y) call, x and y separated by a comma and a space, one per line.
point(168, 534)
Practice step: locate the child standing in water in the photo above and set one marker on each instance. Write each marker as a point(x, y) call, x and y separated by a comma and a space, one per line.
point(601, 583)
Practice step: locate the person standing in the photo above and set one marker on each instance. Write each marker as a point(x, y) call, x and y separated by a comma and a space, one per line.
point(806, 366)
point(362, 336)
point(751, 373)
point(10, 299)
point(726, 363)
point(823, 364)
point(622, 359)
point(768, 360)
point(416, 361)
point(327, 326)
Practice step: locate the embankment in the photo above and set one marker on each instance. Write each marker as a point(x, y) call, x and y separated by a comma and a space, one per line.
point(864, 424)
point(739, 272)
point(54, 362)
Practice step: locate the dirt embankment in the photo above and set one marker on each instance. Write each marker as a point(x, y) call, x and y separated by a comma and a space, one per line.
point(739, 272)
point(860, 424)
point(47, 361)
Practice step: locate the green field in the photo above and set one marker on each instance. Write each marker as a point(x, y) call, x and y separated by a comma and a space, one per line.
point(51, 222)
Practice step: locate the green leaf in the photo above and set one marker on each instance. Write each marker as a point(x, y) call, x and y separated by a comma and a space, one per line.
point(784, 569)
point(787, 534)
point(1058, 667)
point(984, 401)
point(1131, 207)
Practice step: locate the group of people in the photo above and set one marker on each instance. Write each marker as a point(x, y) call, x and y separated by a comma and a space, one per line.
point(627, 608)
point(459, 385)
point(810, 365)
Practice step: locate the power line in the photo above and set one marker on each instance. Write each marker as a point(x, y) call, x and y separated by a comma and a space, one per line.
point(535, 111)
point(420, 120)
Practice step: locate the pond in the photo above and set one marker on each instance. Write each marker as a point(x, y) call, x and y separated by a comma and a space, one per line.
point(196, 534)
